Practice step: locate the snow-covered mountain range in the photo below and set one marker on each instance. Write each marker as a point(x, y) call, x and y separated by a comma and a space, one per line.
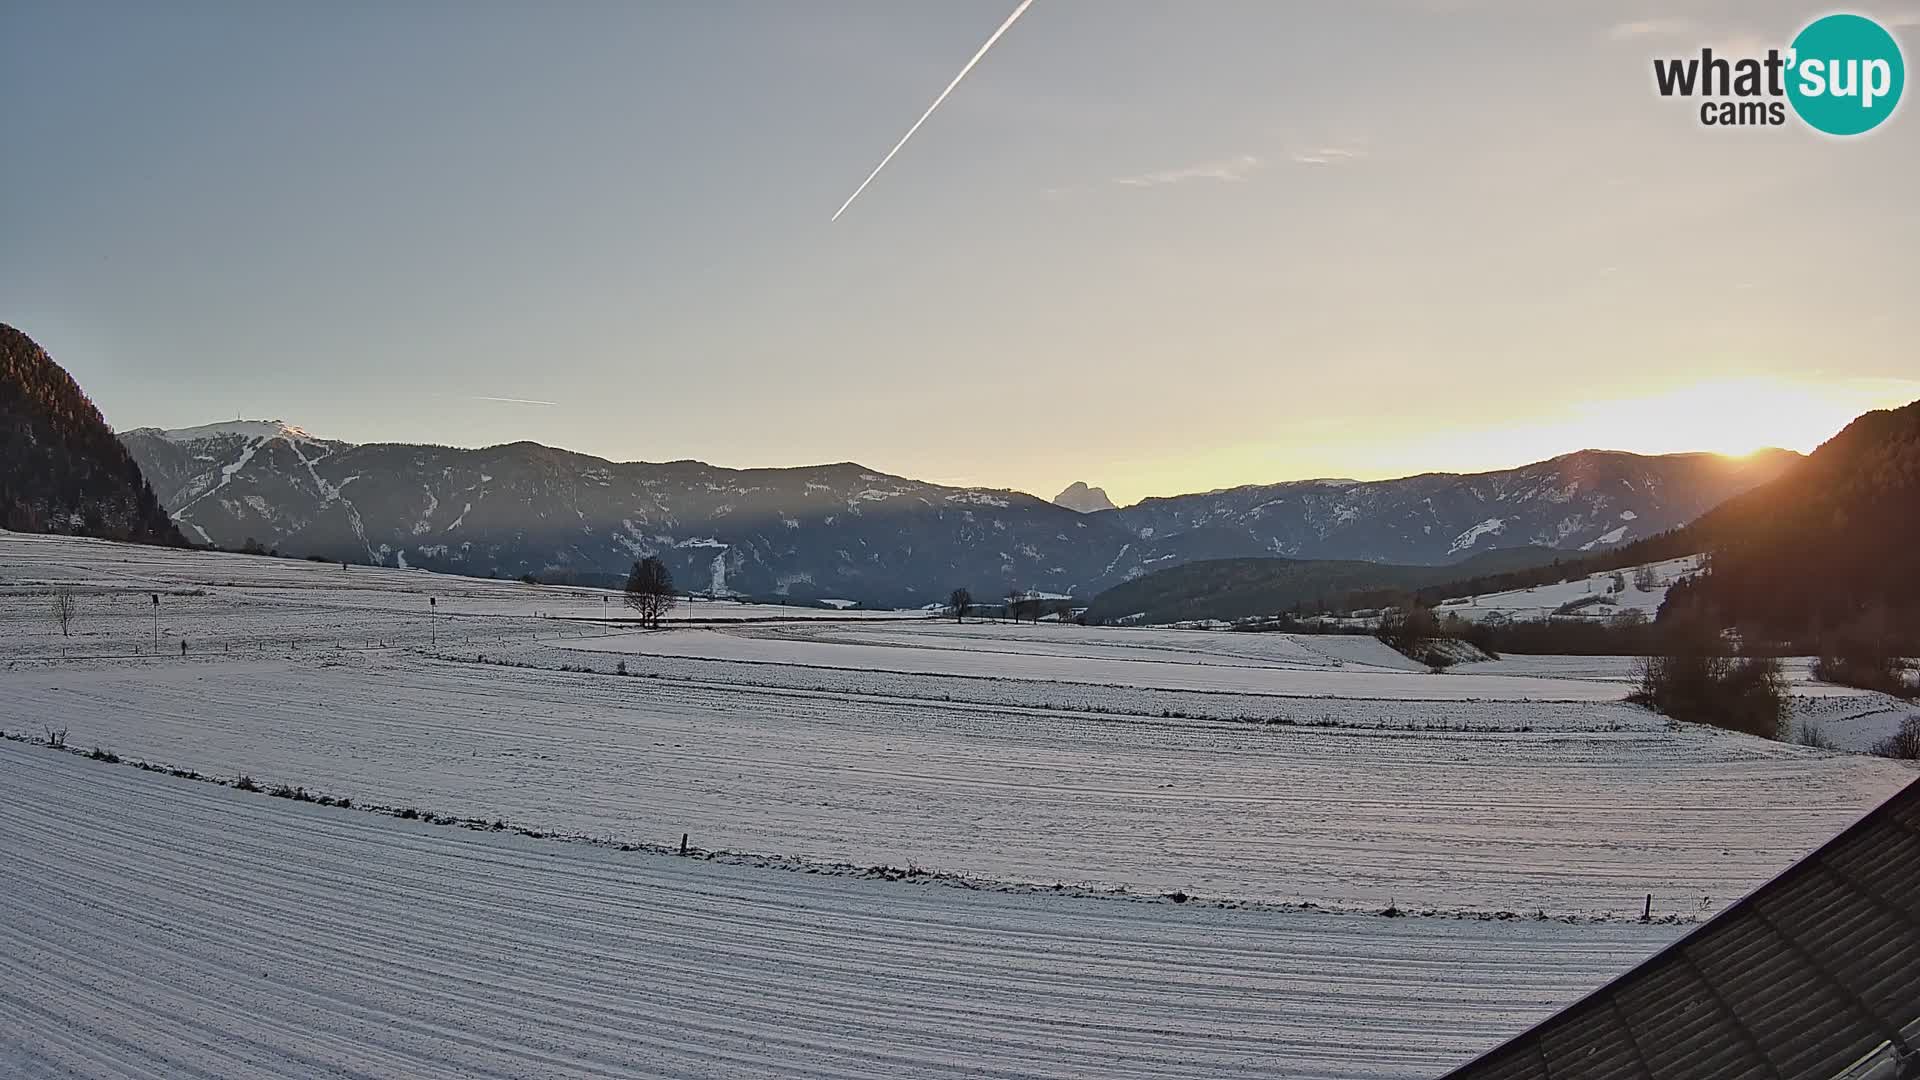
point(847, 531)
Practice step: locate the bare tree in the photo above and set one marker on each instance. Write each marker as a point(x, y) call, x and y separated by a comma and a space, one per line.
point(958, 602)
point(1019, 604)
point(650, 590)
point(1408, 630)
point(64, 608)
point(1645, 579)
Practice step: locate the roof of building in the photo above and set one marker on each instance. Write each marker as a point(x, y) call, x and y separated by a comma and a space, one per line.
point(1816, 974)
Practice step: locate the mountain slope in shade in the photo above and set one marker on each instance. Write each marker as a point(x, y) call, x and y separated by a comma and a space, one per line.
point(1830, 542)
point(845, 531)
point(1584, 501)
point(1231, 589)
point(838, 531)
point(1082, 499)
point(61, 469)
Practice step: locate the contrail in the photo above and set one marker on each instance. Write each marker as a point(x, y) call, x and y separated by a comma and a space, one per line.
point(936, 104)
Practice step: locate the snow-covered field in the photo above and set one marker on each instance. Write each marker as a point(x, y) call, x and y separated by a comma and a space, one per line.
point(1279, 706)
point(1292, 786)
point(1103, 657)
point(223, 601)
point(1582, 822)
point(159, 927)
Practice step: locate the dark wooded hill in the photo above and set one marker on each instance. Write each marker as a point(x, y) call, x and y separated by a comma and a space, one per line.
point(61, 468)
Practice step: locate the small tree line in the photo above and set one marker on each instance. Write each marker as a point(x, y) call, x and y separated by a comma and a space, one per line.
point(1019, 605)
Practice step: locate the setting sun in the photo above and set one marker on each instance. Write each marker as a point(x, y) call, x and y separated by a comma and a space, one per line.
point(1734, 416)
point(1737, 416)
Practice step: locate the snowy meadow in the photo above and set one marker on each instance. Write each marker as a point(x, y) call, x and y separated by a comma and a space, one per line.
point(911, 846)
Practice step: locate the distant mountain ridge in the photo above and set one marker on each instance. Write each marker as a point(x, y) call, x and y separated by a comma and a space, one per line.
point(61, 469)
point(844, 531)
point(1575, 502)
point(1823, 553)
point(827, 531)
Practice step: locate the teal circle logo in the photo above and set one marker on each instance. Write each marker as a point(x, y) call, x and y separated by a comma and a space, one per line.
point(1845, 74)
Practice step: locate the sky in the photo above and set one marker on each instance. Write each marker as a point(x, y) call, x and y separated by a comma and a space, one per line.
point(1158, 247)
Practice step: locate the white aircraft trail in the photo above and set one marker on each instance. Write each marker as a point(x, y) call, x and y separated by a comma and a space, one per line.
point(1017, 12)
point(510, 400)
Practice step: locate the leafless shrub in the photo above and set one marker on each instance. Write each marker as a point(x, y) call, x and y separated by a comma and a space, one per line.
point(1737, 693)
point(1808, 733)
point(1903, 744)
point(64, 609)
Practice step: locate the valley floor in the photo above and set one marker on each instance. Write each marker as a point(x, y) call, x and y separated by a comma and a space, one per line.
point(152, 926)
point(1355, 814)
point(918, 848)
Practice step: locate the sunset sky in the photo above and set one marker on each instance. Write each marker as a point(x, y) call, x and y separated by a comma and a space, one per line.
point(1156, 247)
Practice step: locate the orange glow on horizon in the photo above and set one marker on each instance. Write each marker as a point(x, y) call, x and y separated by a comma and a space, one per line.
point(1732, 416)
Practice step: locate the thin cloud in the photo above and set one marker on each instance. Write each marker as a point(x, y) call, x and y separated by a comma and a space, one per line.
point(1327, 155)
point(1641, 28)
point(1226, 170)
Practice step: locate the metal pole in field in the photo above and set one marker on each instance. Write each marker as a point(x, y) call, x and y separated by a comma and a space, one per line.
point(433, 635)
point(156, 624)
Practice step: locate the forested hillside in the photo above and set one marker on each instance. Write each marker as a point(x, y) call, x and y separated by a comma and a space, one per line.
point(61, 468)
point(1247, 588)
point(1832, 543)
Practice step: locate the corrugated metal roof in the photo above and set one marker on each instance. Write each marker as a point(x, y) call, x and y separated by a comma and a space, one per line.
point(1813, 975)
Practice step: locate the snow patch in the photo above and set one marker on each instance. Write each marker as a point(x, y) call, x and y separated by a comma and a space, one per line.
point(979, 498)
point(244, 429)
point(1492, 526)
point(1611, 536)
